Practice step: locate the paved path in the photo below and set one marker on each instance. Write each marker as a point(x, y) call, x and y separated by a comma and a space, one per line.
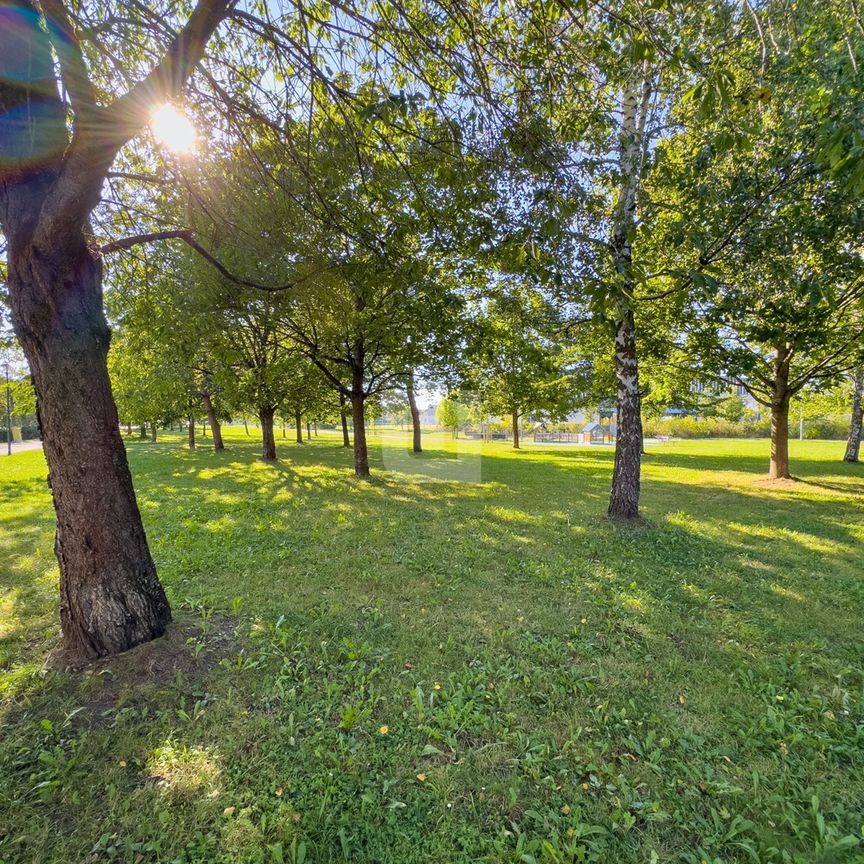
point(20, 447)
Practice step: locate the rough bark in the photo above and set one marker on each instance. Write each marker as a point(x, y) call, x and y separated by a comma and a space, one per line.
point(514, 419)
point(268, 441)
point(853, 445)
point(361, 451)
point(346, 439)
point(624, 500)
point(215, 425)
point(779, 465)
point(190, 425)
point(415, 414)
point(298, 424)
point(110, 597)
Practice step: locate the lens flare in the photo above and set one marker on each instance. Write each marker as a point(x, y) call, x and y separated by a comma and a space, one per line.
point(173, 129)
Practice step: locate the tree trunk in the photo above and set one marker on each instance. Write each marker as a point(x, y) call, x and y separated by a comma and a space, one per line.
point(515, 422)
point(361, 451)
point(215, 425)
point(153, 431)
point(203, 428)
point(315, 427)
point(246, 425)
point(308, 431)
point(298, 423)
point(143, 436)
point(779, 466)
point(129, 430)
point(268, 441)
point(624, 500)
point(636, 101)
point(346, 440)
point(853, 445)
point(110, 597)
point(284, 430)
point(191, 427)
point(50, 182)
point(415, 413)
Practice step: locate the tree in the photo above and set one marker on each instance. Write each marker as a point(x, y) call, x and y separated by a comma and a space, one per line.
point(784, 310)
point(50, 182)
point(451, 414)
point(853, 445)
point(515, 365)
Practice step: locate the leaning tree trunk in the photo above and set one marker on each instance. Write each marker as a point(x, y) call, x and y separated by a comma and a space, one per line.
point(779, 465)
point(110, 597)
point(215, 425)
point(514, 417)
point(191, 427)
point(415, 414)
point(50, 182)
point(624, 500)
point(853, 445)
point(343, 411)
point(298, 424)
point(268, 441)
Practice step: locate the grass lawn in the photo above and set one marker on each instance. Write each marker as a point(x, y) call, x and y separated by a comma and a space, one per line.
point(461, 661)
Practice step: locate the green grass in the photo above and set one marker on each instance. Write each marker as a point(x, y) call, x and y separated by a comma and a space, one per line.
point(565, 688)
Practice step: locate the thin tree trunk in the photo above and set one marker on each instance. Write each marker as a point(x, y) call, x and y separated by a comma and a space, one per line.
point(246, 425)
point(268, 442)
point(636, 100)
point(284, 429)
point(624, 500)
point(129, 429)
point(143, 436)
point(346, 440)
point(191, 427)
point(315, 427)
point(215, 426)
point(515, 421)
point(779, 466)
point(853, 445)
point(153, 431)
point(308, 431)
point(415, 413)
point(361, 451)
point(298, 423)
point(203, 428)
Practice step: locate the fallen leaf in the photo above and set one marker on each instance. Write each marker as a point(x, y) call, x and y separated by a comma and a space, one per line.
point(278, 791)
point(566, 809)
point(421, 777)
point(228, 811)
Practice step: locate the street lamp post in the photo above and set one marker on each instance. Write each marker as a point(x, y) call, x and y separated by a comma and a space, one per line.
point(8, 412)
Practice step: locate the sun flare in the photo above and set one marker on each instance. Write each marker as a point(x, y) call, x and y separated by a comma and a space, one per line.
point(173, 129)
